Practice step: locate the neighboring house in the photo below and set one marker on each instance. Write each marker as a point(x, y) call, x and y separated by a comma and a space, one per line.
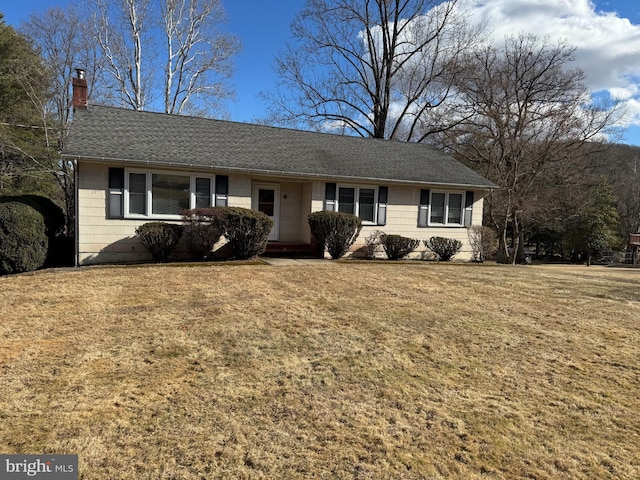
point(135, 167)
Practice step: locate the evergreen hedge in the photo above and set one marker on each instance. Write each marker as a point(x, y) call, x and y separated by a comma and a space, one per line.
point(60, 250)
point(23, 238)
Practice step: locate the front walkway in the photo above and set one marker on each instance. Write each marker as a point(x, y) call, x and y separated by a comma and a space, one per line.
point(276, 261)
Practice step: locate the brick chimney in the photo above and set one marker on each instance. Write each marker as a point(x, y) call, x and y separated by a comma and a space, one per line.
point(80, 90)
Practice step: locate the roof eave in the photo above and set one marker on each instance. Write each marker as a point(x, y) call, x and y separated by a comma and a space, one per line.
point(278, 173)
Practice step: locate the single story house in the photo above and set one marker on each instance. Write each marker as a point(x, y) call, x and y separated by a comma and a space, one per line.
point(134, 167)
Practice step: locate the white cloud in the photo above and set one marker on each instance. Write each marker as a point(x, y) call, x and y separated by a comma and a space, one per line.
point(607, 46)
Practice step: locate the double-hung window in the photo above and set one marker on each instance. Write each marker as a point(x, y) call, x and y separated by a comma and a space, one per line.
point(359, 201)
point(444, 208)
point(165, 195)
point(139, 193)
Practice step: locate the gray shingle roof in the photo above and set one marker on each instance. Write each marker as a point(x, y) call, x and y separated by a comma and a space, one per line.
point(114, 134)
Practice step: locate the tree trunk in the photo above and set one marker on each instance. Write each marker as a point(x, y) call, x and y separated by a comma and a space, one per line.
point(502, 256)
point(515, 237)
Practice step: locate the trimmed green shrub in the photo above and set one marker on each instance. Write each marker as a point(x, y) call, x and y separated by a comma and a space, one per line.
point(397, 247)
point(335, 231)
point(444, 248)
point(51, 213)
point(203, 228)
point(60, 251)
point(23, 238)
point(247, 231)
point(159, 238)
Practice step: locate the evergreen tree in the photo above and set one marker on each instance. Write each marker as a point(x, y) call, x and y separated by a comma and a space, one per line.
point(596, 229)
point(23, 145)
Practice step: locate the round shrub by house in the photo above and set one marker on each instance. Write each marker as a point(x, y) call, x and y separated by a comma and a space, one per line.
point(247, 231)
point(397, 247)
point(159, 238)
point(23, 238)
point(444, 248)
point(335, 231)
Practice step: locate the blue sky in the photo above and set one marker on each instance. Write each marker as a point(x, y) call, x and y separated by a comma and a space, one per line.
point(606, 32)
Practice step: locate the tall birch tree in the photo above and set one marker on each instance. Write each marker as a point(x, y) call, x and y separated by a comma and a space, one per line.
point(184, 36)
point(198, 56)
point(123, 29)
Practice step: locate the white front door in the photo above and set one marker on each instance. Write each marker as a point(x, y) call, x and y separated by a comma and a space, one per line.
point(266, 199)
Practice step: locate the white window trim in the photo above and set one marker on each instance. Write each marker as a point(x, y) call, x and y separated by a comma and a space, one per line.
point(446, 208)
point(149, 197)
point(357, 201)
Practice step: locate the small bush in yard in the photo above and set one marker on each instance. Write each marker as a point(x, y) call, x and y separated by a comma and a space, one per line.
point(372, 244)
point(335, 231)
point(397, 247)
point(444, 248)
point(247, 231)
point(159, 238)
point(203, 228)
point(23, 238)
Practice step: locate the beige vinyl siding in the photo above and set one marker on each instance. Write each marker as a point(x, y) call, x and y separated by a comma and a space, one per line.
point(306, 206)
point(317, 196)
point(402, 218)
point(100, 239)
point(104, 240)
point(240, 191)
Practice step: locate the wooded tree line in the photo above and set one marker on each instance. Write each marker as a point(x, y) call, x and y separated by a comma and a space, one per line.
point(516, 110)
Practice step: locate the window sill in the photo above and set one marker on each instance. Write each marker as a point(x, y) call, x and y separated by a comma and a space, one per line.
point(442, 225)
point(154, 218)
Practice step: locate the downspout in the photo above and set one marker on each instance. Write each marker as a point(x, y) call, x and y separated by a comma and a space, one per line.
point(76, 222)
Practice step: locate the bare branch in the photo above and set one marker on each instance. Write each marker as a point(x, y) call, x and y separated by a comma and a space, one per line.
point(372, 67)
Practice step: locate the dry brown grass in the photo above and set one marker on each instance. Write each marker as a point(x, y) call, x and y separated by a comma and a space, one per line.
point(341, 370)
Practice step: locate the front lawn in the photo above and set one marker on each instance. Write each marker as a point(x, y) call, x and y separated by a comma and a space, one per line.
point(338, 370)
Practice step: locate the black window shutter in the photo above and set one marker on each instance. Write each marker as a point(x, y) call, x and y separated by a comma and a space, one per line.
point(423, 209)
point(222, 191)
point(382, 205)
point(115, 202)
point(330, 197)
point(468, 208)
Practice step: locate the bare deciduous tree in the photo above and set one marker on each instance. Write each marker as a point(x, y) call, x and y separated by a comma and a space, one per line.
point(123, 31)
point(198, 55)
point(65, 44)
point(529, 118)
point(376, 68)
point(138, 35)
